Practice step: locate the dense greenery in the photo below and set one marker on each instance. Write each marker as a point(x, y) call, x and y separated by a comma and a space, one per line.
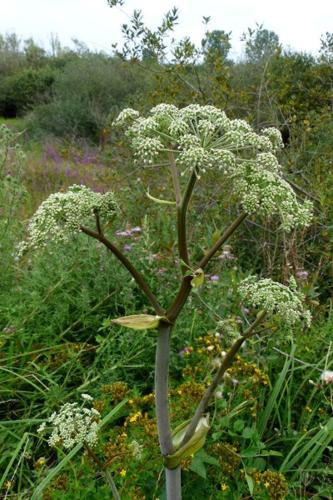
point(272, 420)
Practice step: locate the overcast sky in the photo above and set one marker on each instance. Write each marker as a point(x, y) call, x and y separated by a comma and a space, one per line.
point(299, 23)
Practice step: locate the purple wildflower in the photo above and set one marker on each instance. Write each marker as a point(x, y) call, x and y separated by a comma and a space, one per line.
point(301, 274)
point(185, 351)
point(126, 232)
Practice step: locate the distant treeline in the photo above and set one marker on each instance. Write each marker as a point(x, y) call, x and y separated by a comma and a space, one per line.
point(76, 91)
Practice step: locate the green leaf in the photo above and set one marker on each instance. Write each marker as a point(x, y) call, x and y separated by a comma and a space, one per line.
point(157, 200)
point(196, 442)
point(208, 459)
point(139, 321)
point(99, 339)
point(275, 394)
point(238, 425)
point(249, 433)
point(250, 483)
point(259, 463)
point(13, 457)
point(271, 453)
point(250, 452)
point(224, 421)
point(198, 466)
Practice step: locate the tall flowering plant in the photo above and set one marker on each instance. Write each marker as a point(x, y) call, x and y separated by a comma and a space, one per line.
point(188, 142)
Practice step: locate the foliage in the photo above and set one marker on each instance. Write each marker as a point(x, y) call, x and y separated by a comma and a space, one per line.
point(260, 43)
point(84, 95)
point(271, 428)
point(21, 91)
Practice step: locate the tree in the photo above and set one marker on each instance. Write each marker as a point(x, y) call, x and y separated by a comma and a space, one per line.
point(260, 43)
point(216, 45)
point(326, 46)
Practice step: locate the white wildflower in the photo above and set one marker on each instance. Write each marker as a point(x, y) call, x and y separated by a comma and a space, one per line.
point(261, 189)
point(41, 428)
point(202, 138)
point(72, 425)
point(178, 128)
point(274, 135)
point(240, 125)
point(87, 397)
point(127, 116)
point(136, 449)
point(62, 214)
point(275, 298)
point(164, 109)
point(327, 376)
point(146, 148)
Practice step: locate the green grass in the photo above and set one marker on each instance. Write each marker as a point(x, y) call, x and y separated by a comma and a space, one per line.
point(57, 342)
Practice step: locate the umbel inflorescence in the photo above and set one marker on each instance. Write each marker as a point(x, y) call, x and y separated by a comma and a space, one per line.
point(62, 214)
point(275, 298)
point(202, 138)
point(73, 424)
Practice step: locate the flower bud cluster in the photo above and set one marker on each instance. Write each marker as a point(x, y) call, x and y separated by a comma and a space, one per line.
point(275, 298)
point(73, 424)
point(261, 189)
point(203, 138)
point(62, 214)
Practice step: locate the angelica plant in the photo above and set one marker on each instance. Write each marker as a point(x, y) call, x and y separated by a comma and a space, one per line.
point(188, 142)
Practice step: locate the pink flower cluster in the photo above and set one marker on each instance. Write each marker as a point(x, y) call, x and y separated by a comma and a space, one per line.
point(127, 233)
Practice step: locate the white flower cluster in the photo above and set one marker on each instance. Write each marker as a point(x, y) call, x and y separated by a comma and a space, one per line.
point(126, 116)
point(275, 298)
point(259, 185)
point(327, 377)
point(203, 138)
point(206, 127)
point(136, 449)
point(62, 214)
point(73, 424)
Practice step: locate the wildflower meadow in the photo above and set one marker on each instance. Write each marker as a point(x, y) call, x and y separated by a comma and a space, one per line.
point(166, 288)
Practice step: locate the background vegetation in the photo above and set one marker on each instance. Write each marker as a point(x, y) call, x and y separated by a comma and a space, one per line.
point(273, 427)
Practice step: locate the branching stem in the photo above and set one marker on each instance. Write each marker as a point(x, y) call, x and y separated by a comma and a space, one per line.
point(185, 287)
point(204, 261)
point(181, 223)
point(129, 266)
point(226, 363)
point(107, 474)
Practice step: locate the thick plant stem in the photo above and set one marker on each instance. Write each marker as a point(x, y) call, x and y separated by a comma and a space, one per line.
point(172, 476)
point(173, 483)
point(162, 388)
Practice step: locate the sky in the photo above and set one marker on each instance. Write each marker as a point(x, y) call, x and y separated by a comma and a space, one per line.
point(299, 23)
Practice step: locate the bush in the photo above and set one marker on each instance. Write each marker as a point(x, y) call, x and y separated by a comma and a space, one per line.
point(19, 92)
point(85, 93)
